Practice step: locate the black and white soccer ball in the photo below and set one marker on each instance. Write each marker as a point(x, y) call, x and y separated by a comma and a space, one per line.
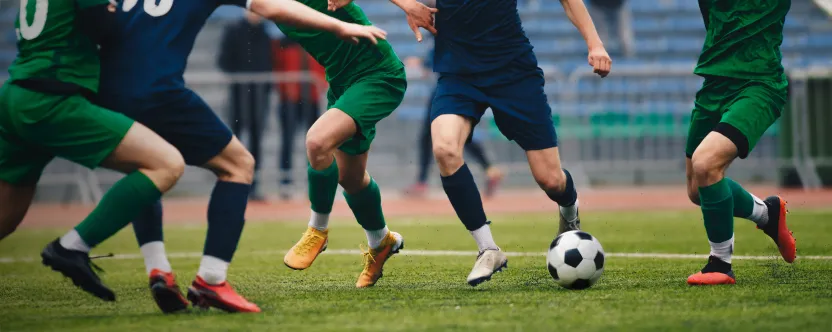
point(575, 260)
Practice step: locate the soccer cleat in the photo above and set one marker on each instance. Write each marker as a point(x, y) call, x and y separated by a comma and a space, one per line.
point(495, 177)
point(374, 259)
point(565, 226)
point(488, 262)
point(166, 292)
point(778, 231)
point(303, 253)
point(716, 272)
point(204, 295)
point(76, 266)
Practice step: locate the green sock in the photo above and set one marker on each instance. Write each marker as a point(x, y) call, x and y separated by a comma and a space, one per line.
point(366, 206)
point(122, 203)
point(743, 201)
point(322, 187)
point(718, 211)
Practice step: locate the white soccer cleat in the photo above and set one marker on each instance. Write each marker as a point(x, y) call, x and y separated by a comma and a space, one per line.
point(488, 262)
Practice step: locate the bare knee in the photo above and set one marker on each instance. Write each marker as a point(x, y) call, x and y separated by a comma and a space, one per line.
point(353, 183)
point(693, 193)
point(165, 168)
point(319, 150)
point(448, 154)
point(551, 182)
point(707, 169)
point(234, 164)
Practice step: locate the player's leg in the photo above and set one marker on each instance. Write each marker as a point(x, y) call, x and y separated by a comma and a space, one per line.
point(360, 190)
point(92, 136)
point(457, 106)
point(16, 200)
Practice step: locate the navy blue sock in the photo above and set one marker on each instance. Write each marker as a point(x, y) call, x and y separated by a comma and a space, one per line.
point(226, 217)
point(465, 197)
point(148, 225)
point(568, 196)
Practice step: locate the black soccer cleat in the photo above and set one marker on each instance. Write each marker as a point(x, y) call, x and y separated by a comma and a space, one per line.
point(76, 265)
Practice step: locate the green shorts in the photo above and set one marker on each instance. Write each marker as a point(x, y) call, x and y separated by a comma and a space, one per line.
point(367, 101)
point(35, 127)
point(740, 109)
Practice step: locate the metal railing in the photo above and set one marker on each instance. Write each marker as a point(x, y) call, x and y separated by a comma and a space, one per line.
point(629, 128)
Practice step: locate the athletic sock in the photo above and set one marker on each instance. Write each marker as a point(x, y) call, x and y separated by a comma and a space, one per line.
point(148, 224)
point(213, 270)
point(748, 206)
point(155, 257)
point(72, 241)
point(566, 199)
point(723, 250)
point(366, 206)
point(717, 205)
point(465, 198)
point(226, 218)
point(485, 240)
point(322, 186)
point(319, 221)
point(121, 204)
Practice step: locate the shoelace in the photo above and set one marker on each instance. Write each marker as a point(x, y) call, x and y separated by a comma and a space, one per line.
point(96, 267)
point(368, 256)
point(305, 243)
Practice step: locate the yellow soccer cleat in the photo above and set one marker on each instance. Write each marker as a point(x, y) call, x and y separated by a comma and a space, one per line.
point(307, 249)
point(374, 259)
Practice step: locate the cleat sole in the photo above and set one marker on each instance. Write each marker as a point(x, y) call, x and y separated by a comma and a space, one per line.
point(169, 300)
point(480, 280)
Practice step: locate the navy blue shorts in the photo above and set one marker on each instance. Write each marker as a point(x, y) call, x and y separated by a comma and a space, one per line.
point(182, 118)
point(515, 96)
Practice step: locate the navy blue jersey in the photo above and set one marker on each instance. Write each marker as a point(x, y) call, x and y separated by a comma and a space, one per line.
point(477, 36)
point(155, 40)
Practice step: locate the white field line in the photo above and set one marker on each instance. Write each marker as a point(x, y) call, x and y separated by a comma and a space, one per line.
point(406, 252)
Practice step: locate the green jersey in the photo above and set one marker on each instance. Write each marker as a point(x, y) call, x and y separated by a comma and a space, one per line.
point(344, 62)
point(743, 38)
point(51, 46)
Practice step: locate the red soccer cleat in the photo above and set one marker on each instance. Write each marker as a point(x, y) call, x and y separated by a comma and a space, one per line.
point(166, 292)
point(222, 296)
point(778, 231)
point(716, 272)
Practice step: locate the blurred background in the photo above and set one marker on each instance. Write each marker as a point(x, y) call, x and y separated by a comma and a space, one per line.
point(628, 129)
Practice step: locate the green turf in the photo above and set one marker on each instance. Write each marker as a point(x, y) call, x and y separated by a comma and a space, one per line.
point(420, 293)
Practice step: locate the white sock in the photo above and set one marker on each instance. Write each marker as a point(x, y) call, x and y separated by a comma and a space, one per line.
point(213, 270)
point(73, 241)
point(319, 221)
point(723, 250)
point(484, 238)
point(155, 257)
point(570, 213)
point(374, 237)
point(759, 214)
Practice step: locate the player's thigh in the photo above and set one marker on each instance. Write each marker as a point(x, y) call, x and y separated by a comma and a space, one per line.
point(333, 128)
point(756, 107)
point(352, 171)
point(522, 112)
point(189, 124)
point(706, 113)
point(367, 102)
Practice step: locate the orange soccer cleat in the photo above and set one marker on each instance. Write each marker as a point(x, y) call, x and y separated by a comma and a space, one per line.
point(778, 231)
point(222, 296)
point(374, 259)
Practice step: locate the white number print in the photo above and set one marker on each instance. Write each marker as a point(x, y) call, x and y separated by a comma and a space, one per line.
point(150, 6)
point(30, 32)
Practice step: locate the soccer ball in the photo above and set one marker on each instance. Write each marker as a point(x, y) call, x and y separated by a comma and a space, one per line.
point(575, 260)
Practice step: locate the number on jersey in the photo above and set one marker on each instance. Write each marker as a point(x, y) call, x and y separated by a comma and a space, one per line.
point(34, 30)
point(150, 6)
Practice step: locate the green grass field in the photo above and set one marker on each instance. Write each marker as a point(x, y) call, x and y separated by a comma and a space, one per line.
point(429, 293)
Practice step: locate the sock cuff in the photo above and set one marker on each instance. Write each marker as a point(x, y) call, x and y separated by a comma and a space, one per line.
point(716, 192)
point(461, 175)
point(332, 168)
point(144, 184)
point(370, 190)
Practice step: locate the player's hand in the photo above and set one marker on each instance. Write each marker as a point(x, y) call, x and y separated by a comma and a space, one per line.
point(333, 5)
point(353, 33)
point(420, 16)
point(600, 61)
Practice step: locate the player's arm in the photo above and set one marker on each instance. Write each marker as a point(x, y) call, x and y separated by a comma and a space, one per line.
point(598, 57)
point(418, 14)
point(97, 19)
point(293, 13)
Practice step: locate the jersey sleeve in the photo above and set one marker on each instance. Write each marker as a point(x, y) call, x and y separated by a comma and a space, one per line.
point(82, 4)
point(238, 3)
